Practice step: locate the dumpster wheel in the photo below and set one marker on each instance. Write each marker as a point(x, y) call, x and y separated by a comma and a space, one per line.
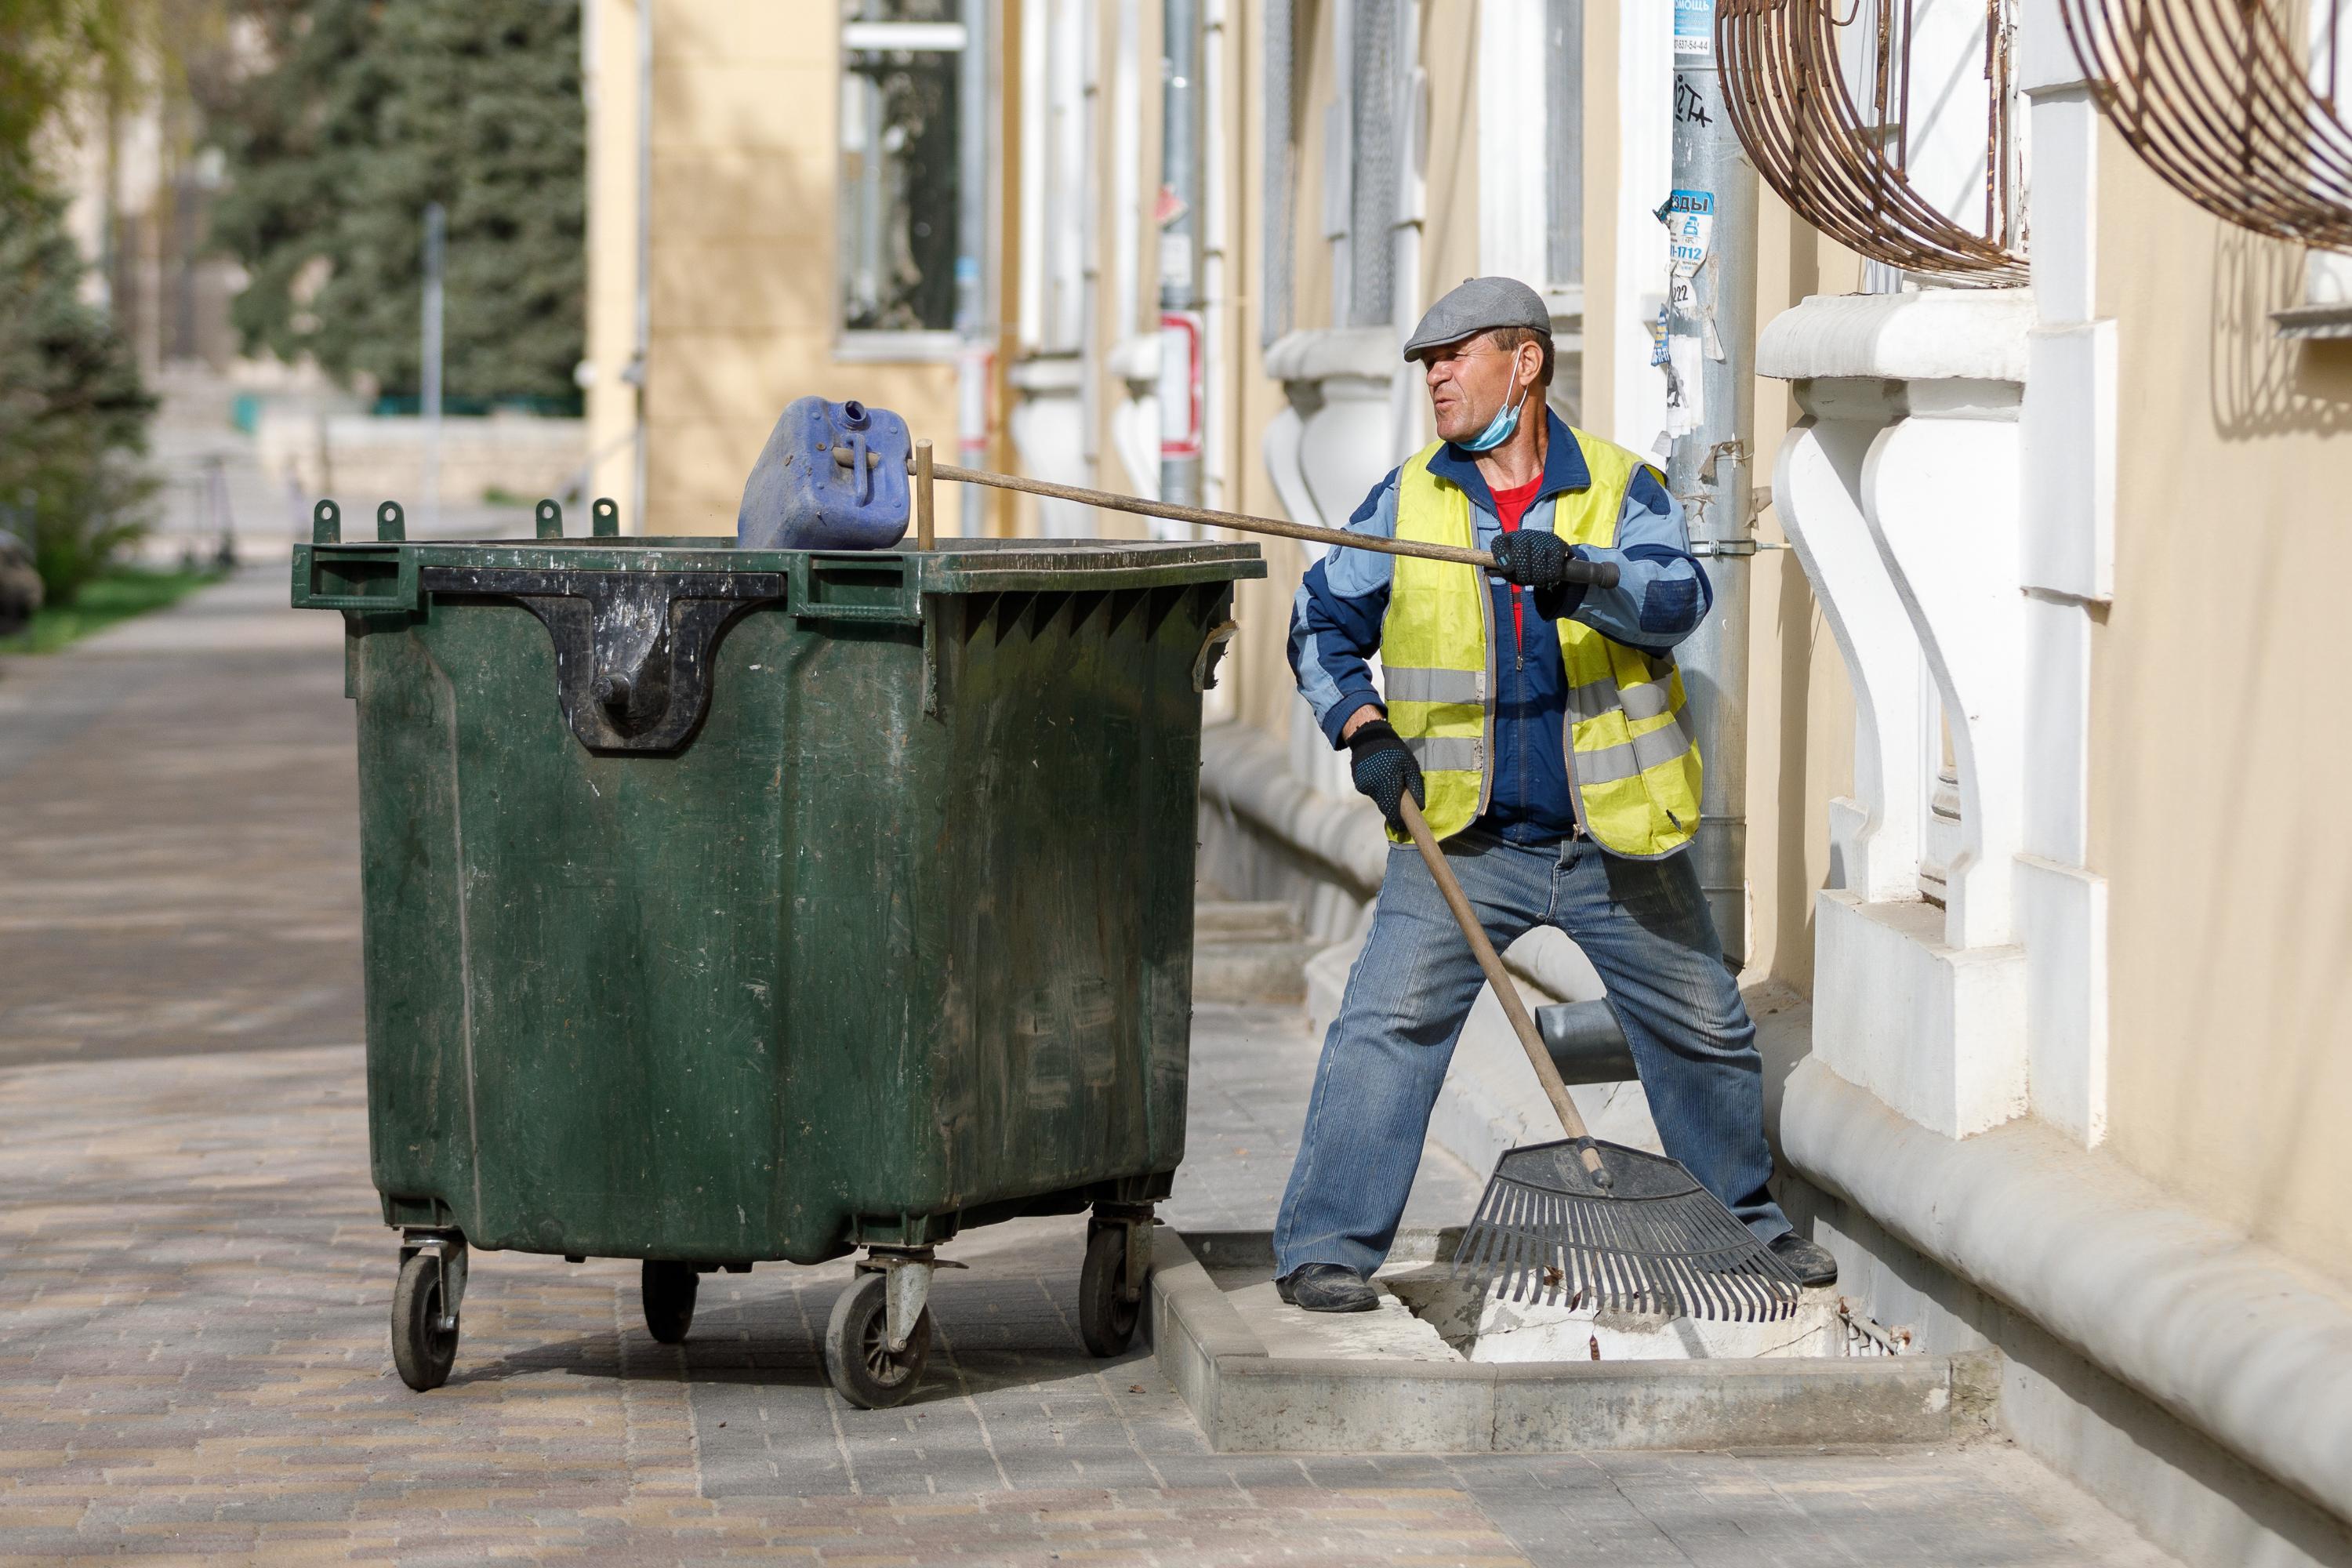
point(668, 1291)
point(859, 1360)
point(424, 1336)
point(1109, 1307)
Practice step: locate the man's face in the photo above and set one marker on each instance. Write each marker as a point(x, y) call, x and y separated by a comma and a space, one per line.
point(1471, 380)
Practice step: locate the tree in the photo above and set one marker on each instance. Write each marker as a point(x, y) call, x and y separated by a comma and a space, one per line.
point(73, 415)
point(49, 49)
point(368, 111)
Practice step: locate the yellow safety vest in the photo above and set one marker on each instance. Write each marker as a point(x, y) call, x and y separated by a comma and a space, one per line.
point(1632, 756)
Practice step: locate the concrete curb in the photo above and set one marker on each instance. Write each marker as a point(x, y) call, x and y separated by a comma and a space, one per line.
point(1248, 1401)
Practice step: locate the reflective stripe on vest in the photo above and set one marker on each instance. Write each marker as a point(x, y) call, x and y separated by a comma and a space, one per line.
point(1632, 763)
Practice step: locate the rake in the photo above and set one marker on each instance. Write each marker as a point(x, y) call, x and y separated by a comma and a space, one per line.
point(1590, 1223)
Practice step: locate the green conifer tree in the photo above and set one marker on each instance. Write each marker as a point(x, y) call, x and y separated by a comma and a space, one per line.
point(367, 113)
point(73, 415)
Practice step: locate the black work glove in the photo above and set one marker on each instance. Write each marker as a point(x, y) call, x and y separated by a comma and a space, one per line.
point(1532, 557)
point(1384, 769)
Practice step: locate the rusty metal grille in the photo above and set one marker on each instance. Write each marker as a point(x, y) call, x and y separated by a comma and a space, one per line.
point(1838, 152)
point(2217, 98)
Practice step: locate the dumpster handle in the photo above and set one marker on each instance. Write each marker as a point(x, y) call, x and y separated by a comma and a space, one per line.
point(1204, 663)
point(633, 650)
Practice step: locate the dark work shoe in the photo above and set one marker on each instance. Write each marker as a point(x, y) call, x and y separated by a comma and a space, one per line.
point(1328, 1288)
point(1809, 1260)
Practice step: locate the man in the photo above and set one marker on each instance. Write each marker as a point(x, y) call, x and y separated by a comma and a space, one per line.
point(1541, 727)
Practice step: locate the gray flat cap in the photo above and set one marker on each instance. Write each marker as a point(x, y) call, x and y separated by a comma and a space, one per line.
point(1479, 305)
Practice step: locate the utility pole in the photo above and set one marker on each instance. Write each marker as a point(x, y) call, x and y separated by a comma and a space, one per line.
point(1181, 253)
point(1711, 391)
point(437, 235)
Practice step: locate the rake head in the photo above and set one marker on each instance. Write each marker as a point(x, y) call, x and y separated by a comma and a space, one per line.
point(1652, 1241)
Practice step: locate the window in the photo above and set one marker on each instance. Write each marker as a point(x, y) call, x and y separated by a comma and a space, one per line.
point(900, 150)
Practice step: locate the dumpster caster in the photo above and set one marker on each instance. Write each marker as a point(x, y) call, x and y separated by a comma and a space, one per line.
point(669, 1289)
point(859, 1360)
point(424, 1309)
point(1111, 1285)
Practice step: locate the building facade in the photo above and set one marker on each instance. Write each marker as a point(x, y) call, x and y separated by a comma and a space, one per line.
point(2043, 911)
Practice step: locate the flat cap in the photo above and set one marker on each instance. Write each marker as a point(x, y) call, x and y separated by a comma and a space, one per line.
point(1479, 305)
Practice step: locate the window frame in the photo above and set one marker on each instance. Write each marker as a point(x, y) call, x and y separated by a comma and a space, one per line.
point(885, 345)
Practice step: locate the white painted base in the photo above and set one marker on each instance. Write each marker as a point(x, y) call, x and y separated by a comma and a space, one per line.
point(1936, 1032)
point(2063, 919)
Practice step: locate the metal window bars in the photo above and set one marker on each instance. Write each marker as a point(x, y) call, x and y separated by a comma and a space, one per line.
point(2215, 96)
point(1843, 164)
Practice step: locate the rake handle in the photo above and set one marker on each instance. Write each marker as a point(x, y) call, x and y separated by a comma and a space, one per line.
point(1507, 994)
point(1599, 573)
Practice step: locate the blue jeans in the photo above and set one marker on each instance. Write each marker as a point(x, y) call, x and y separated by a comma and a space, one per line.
point(1645, 927)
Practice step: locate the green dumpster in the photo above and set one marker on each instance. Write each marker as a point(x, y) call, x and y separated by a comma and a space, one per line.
point(726, 906)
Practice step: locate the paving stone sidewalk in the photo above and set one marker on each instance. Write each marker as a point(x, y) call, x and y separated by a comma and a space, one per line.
point(193, 1282)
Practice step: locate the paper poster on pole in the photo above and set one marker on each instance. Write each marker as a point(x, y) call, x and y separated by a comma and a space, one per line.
point(1690, 229)
point(1689, 217)
point(1686, 386)
point(1693, 27)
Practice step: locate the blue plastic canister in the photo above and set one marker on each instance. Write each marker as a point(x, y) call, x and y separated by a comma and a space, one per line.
point(832, 476)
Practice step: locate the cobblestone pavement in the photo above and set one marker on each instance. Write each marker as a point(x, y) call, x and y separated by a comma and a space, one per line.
point(177, 829)
point(193, 1284)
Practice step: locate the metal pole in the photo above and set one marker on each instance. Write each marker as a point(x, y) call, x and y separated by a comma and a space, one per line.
point(1181, 253)
point(974, 88)
point(437, 235)
point(638, 464)
point(1711, 327)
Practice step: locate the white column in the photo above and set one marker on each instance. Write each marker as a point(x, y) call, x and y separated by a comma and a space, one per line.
point(1901, 494)
point(1941, 494)
point(2066, 566)
point(1513, 233)
point(1817, 489)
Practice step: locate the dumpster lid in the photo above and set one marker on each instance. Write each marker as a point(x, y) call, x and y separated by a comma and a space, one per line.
point(634, 622)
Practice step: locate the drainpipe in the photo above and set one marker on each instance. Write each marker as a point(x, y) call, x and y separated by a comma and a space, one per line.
point(1711, 330)
point(1182, 254)
point(974, 93)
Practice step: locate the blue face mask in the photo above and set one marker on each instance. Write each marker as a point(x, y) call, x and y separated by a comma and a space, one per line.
point(1499, 429)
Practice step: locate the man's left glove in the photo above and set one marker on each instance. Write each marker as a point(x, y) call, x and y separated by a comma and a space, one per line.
point(1531, 557)
point(1383, 768)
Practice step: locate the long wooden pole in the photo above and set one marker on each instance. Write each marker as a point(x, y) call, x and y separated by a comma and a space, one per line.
point(925, 536)
point(1599, 573)
point(1111, 501)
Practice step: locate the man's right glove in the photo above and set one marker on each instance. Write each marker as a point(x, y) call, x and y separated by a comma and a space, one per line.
point(1384, 769)
point(1532, 557)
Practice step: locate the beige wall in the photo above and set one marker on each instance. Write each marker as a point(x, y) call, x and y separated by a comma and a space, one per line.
point(742, 280)
point(1800, 712)
point(1597, 404)
point(611, 88)
point(2220, 737)
point(1449, 246)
